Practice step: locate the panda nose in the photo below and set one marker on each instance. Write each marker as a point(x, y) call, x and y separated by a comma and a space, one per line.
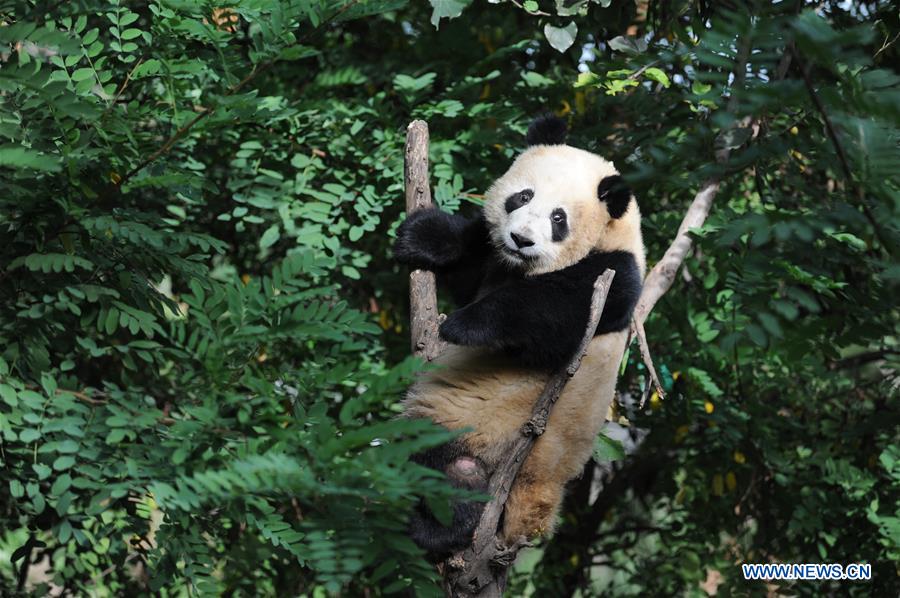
point(521, 241)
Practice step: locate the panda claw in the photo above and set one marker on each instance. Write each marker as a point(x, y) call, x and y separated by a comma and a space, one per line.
point(452, 331)
point(506, 555)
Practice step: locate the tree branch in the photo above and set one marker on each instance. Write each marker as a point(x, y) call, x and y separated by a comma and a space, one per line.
point(662, 275)
point(481, 569)
point(424, 318)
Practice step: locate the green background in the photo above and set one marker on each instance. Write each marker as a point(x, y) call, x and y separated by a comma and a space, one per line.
point(203, 338)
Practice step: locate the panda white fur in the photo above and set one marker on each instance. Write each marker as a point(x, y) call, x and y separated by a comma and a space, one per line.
point(523, 274)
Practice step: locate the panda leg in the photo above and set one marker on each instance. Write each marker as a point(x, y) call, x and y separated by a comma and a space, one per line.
point(531, 509)
point(538, 490)
point(463, 471)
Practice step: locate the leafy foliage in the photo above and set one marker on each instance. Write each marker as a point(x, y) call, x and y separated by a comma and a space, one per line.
point(202, 336)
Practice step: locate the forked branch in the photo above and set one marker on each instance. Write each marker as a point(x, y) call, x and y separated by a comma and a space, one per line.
point(662, 275)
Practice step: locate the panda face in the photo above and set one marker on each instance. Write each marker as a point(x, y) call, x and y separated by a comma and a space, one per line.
point(534, 229)
point(544, 213)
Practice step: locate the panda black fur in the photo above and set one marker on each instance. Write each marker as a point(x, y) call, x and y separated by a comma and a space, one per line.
point(523, 275)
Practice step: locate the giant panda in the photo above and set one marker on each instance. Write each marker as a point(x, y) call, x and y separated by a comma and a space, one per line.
point(522, 273)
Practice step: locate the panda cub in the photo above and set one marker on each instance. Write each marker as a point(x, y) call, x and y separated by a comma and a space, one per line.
point(522, 274)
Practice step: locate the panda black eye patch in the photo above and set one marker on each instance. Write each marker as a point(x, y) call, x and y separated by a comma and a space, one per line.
point(559, 225)
point(517, 200)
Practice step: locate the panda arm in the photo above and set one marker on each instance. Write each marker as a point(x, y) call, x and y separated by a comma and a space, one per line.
point(541, 319)
point(435, 240)
point(452, 246)
point(539, 323)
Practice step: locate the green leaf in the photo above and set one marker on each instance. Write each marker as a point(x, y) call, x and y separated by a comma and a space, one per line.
point(8, 394)
point(700, 88)
point(533, 79)
point(29, 435)
point(63, 462)
point(48, 383)
point(43, 472)
point(606, 449)
point(657, 75)
point(446, 9)
point(61, 484)
point(20, 157)
point(112, 320)
point(705, 381)
point(587, 79)
point(442, 511)
point(270, 237)
point(561, 38)
point(82, 74)
point(16, 489)
point(408, 85)
point(734, 137)
point(628, 45)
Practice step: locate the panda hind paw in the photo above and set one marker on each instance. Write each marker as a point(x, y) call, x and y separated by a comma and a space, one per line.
point(468, 472)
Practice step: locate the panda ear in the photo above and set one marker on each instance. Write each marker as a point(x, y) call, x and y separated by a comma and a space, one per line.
point(613, 191)
point(546, 130)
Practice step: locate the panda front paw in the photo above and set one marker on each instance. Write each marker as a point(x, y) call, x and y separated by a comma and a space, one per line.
point(451, 331)
point(428, 239)
point(458, 330)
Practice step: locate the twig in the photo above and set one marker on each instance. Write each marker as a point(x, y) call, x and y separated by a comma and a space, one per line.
point(537, 13)
point(424, 318)
point(641, 70)
point(168, 144)
point(78, 395)
point(838, 147)
point(861, 359)
point(638, 329)
point(829, 128)
point(481, 569)
point(887, 44)
point(124, 85)
point(26, 563)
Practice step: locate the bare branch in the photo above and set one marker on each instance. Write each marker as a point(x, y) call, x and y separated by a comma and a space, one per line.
point(424, 318)
point(637, 326)
point(481, 569)
point(661, 276)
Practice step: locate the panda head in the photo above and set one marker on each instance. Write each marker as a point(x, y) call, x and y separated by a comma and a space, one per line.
point(556, 203)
